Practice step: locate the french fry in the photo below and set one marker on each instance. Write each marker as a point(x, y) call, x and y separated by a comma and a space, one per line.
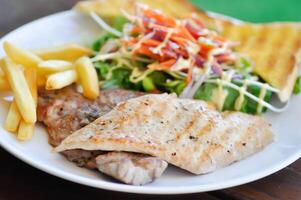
point(22, 94)
point(61, 79)
point(88, 77)
point(69, 52)
point(1, 65)
point(26, 130)
point(20, 56)
point(4, 85)
point(31, 79)
point(53, 66)
point(41, 81)
point(13, 118)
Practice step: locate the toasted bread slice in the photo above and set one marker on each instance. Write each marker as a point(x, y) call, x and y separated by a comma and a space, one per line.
point(108, 9)
point(274, 48)
point(111, 8)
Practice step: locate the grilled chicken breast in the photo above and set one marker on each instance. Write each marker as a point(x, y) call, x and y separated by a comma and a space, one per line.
point(65, 111)
point(187, 133)
point(131, 168)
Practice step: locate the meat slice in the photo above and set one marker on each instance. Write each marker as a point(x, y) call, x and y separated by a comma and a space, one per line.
point(131, 168)
point(188, 133)
point(83, 158)
point(65, 111)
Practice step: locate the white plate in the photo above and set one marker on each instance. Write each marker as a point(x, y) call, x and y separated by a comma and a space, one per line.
point(72, 27)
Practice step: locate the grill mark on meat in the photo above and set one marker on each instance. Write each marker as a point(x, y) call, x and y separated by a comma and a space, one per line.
point(207, 127)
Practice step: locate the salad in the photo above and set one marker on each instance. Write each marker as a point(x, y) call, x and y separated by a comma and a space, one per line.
point(153, 52)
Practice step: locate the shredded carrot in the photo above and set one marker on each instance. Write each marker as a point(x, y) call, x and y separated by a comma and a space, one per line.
point(168, 63)
point(198, 22)
point(160, 18)
point(180, 41)
point(205, 49)
point(155, 91)
point(163, 65)
point(144, 50)
point(160, 27)
point(185, 33)
point(136, 29)
point(130, 42)
point(171, 39)
point(219, 39)
point(189, 74)
point(151, 42)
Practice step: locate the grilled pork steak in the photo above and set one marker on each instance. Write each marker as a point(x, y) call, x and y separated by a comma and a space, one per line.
point(143, 169)
point(65, 111)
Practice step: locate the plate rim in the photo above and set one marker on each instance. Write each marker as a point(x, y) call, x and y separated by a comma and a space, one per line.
point(102, 184)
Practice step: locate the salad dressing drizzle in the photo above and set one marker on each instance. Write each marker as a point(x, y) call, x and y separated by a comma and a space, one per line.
point(146, 37)
point(239, 101)
point(262, 94)
point(221, 94)
point(251, 96)
point(190, 90)
point(158, 49)
point(259, 84)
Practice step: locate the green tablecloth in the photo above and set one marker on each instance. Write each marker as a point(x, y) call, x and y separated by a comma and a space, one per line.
point(255, 10)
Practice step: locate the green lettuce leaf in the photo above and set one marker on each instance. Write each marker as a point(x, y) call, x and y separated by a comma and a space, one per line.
point(119, 22)
point(205, 93)
point(297, 87)
point(96, 46)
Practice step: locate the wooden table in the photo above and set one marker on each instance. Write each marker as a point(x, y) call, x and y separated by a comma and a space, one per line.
point(21, 181)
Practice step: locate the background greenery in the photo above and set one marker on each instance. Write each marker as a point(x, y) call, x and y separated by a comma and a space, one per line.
point(255, 10)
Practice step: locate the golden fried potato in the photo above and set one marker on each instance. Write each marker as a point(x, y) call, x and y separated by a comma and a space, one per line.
point(68, 52)
point(53, 66)
point(20, 56)
point(25, 131)
point(13, 118)
point(61, 79)
point(21, 90)
point(87, 77)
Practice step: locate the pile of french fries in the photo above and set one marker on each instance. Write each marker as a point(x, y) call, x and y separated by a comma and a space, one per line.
point(23, 72)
